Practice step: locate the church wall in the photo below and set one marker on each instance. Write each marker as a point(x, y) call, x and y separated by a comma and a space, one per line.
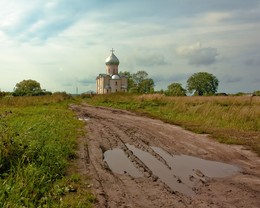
point(112, 69)
point(115, 85)
point(100, 85)
point(106, 80)
point(107, 83)
point(97, 86)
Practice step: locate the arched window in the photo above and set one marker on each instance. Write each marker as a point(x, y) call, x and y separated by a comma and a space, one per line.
point(116, 83)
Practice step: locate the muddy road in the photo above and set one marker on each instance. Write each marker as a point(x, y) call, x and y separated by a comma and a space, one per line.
point(136, 161)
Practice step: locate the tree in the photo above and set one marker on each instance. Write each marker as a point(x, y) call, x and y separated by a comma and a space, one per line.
point(202, 83)
point(142, 83)
point(3, 94)
point(256, 93)
point(130, 81)
point(146, 86)
point(139, 82)
point(175, 89)
point(28, 87)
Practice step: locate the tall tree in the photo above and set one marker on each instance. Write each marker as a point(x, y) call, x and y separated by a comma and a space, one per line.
point(202, 83)
point(175, 89)
point(146, 86)
point(139, 82)
point(28, 87)
point(142, 83)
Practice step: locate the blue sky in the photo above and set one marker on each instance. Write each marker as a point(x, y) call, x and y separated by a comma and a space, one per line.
point(63, 44)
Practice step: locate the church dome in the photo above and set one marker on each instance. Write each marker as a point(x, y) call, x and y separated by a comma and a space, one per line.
point(115, 76)
point(112, 59)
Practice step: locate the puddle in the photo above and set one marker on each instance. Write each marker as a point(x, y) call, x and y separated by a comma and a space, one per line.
point(184, 164)
point(181, 174)
point(161, 170)
point(118, 162)
point(84, 119)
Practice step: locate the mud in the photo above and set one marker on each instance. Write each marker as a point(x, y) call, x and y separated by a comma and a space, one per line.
point(180, 172)
point(119, 163)
point(161, 165)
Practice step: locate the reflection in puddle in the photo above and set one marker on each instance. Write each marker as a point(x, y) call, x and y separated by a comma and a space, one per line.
point(161, 170)
point(184, 164)
point(84, 119)
point(183, 173)
point(119, 163)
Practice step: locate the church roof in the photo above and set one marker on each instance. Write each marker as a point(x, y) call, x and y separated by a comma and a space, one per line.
point(112, 59)
point(115, 76)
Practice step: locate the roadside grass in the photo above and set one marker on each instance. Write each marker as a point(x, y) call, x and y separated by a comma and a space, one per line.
point(230, 120)
point(38, 140)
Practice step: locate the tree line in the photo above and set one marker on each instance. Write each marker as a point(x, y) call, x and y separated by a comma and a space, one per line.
point(201, 83)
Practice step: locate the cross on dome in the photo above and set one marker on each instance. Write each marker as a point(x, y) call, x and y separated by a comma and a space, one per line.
point(112, 59)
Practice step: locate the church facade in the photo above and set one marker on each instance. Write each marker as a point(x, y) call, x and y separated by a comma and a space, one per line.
point(111, 81)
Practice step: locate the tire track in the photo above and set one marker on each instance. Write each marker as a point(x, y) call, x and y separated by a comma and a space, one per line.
point(108, 129)
point(113, 135)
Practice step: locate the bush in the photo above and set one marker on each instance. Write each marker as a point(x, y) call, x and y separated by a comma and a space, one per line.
point(256, 93)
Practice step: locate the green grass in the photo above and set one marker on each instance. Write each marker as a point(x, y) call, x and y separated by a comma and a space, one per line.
point(38, 139)
point(231, 120)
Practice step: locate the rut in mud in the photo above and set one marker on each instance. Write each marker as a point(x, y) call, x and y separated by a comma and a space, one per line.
point(141, 162)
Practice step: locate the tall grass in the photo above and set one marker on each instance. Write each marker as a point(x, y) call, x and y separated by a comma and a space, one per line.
point(37, 140)
point(232, 120)
point(33, 100)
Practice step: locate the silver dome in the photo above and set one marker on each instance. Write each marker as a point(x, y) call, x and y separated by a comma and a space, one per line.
point(112, 60)
point(115, 76)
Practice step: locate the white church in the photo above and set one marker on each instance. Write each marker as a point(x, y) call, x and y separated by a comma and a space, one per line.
point(111, 82)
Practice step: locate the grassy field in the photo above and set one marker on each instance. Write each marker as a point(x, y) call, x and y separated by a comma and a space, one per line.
point(230, 120)
point(38, 139)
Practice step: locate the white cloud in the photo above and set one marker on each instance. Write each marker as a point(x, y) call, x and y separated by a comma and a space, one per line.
point(197, 54)
point(212, 18)
point(150, 60)
point(59, 43)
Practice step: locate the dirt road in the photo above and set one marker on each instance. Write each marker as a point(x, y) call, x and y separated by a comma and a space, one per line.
point(158, 174)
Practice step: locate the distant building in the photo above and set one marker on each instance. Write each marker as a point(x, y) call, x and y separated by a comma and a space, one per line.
point(111, 81)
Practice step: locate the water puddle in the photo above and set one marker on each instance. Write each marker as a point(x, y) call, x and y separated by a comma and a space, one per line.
point(181, 174)
point(187, 164)
point(118, 162)
point(84, 119)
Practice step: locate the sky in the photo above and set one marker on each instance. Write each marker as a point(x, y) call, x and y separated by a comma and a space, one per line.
point(63, 44)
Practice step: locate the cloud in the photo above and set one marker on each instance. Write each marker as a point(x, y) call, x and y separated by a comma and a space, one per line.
point(251, 15)
point(197, 54)
point(230, 79)
point(170, 78)
point(151, 60)
point(87, 81)
point(257, 81)
point(40, 21)
point(252, 62)
point(65, 42)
